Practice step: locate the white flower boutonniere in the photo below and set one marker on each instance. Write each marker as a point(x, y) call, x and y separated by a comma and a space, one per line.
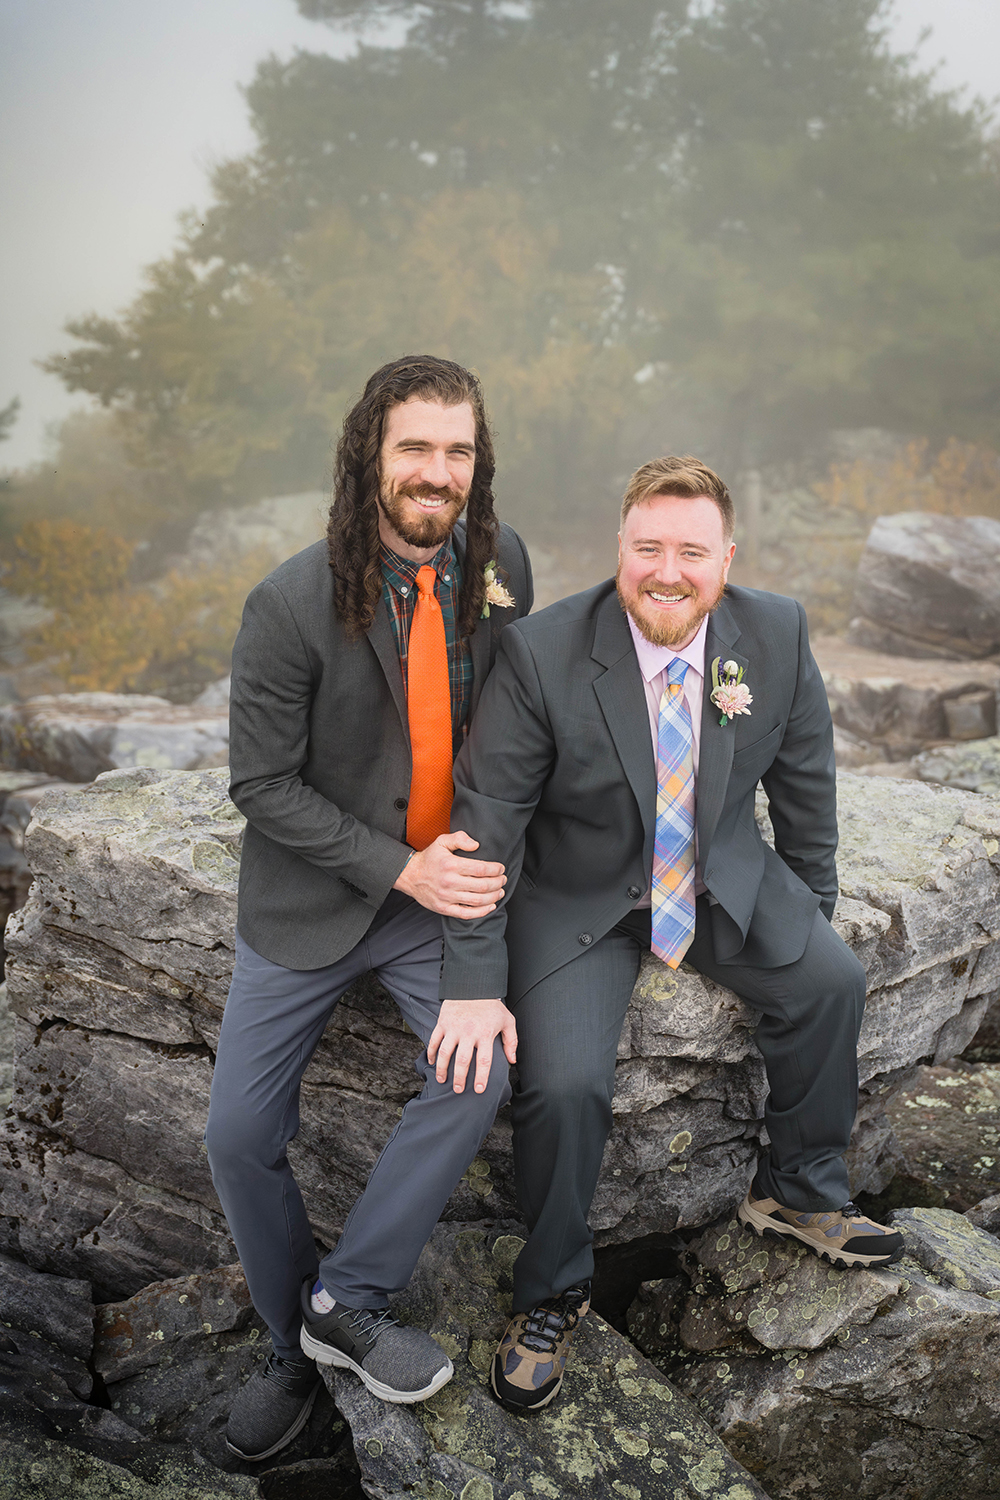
point(495, 592)
point(729, 691)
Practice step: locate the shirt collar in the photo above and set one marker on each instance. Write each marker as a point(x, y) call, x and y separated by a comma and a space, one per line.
point(401, 572)
point(656, 659)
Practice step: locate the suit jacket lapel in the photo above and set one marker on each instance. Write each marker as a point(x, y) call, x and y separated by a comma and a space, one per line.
point(622, 698)
point(715, 758)
point(383, 643)
point(479, 642)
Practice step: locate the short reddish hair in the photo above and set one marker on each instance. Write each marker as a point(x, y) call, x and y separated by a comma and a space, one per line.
point(686, 477)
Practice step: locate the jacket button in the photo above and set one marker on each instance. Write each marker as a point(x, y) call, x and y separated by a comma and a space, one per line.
point(633, 893)
point(586, 938)
point(400, 803)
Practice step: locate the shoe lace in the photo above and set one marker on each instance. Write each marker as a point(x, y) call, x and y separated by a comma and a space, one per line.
point(850, 1211)
point(287, 1373)
point(373, 1324)
point(549, 1320)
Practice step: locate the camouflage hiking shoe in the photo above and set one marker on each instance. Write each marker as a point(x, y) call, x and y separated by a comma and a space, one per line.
point(529, 1363)
point(842, 1236)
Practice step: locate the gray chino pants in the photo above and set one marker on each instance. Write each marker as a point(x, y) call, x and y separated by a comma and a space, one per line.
point(272, 1024)
point(567, 1038)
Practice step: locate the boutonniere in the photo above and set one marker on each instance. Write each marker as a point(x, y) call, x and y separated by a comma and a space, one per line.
point(729, 691)
point(495, 592)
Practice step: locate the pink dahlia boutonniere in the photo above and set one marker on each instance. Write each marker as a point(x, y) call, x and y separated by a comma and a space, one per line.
point(495, 592)
point(729, 691)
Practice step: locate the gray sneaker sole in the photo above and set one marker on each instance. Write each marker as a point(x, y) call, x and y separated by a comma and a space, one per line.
point(287, 1437)
point(323, 1354)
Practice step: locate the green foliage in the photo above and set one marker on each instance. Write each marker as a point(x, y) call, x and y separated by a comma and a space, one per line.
point(92, 475)
point(757, 207)
point(108, 635)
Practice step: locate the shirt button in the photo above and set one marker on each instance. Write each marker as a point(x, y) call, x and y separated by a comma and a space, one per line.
point(447, 578)
point(633, 893)
point(403, 589)
point(400, 803)
point(586, 938)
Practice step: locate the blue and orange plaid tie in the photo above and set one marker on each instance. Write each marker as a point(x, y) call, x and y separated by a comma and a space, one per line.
point(673, 845)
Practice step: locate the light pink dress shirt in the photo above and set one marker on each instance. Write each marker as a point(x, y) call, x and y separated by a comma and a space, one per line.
point(653, 664)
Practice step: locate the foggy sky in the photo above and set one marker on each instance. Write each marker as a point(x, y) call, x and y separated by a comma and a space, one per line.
point(111, 111)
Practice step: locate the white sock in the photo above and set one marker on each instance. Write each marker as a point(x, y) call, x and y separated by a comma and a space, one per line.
point(321, 1301)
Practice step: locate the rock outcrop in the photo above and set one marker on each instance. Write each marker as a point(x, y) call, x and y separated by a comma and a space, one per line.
point(77, 736)
point(871, 1383)
point(118, 974)
point(56, 1436)
point(946, 1127)
point(929, 585)
point(895, 706)
point(974, 766)
point(277, 528)
point(618, 1428)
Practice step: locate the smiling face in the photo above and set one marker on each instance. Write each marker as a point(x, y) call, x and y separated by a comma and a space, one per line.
point(673, 562)
point(425, 470)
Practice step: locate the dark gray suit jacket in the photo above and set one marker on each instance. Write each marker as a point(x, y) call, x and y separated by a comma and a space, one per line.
point(320, 756)
point(558, 781)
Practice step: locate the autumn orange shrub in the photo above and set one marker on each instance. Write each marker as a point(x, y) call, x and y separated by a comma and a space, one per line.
point(960, 479)
point(108, 635)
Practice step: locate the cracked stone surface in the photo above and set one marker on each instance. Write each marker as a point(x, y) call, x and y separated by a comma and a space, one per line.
point(120, 962)
point(946, 1124)
point(873, 1383)
point(618, 1428)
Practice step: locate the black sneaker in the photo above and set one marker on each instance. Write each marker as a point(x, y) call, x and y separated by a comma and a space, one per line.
point(272, 1408)
point(530, 1361)
point(397, 1364)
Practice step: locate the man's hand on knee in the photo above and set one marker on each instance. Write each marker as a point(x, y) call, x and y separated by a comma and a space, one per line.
point(470, 1026)
point(445, 882)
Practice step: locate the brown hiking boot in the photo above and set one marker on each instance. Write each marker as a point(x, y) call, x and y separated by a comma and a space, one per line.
point(529, 1363)
point(842, 1236)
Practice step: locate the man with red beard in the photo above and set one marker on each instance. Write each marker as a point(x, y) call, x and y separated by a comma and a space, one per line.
point(355, 673)
point(612, 769)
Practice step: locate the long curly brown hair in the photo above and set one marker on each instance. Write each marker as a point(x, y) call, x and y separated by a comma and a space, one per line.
point(352, 530)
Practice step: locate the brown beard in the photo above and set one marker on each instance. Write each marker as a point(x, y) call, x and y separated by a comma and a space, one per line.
point(669, 632)
point(428, 531)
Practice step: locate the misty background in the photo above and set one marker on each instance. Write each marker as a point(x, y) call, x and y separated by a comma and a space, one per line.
point(767, 231)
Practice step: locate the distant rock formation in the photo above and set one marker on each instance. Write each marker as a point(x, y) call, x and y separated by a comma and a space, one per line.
point(929, 586)
point(892, 707)
point(77, 736)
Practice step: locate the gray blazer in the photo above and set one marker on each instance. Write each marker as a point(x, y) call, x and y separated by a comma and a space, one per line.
point(558, 781)
point(320, 756)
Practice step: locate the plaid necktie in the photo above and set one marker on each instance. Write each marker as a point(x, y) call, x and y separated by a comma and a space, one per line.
point(673, 845)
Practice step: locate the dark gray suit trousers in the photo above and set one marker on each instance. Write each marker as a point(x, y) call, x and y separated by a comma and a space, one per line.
point(273, 1020)
point(568, 1027)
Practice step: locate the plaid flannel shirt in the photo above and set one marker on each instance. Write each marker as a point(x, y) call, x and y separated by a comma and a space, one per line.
point(399, 590)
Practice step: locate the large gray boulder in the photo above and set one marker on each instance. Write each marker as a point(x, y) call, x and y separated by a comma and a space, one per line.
point(120, 964)
point(618, 1428)
point(871, 1383)
point(897, 705)
point(77, 736)
point(929, 585)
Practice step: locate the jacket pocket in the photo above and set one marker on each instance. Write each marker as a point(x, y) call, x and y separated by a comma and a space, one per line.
point(760, 752)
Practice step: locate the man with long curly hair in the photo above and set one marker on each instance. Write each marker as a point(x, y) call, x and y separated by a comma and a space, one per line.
point(355, 672)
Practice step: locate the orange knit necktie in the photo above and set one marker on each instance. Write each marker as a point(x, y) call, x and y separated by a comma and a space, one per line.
point(428, 695)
